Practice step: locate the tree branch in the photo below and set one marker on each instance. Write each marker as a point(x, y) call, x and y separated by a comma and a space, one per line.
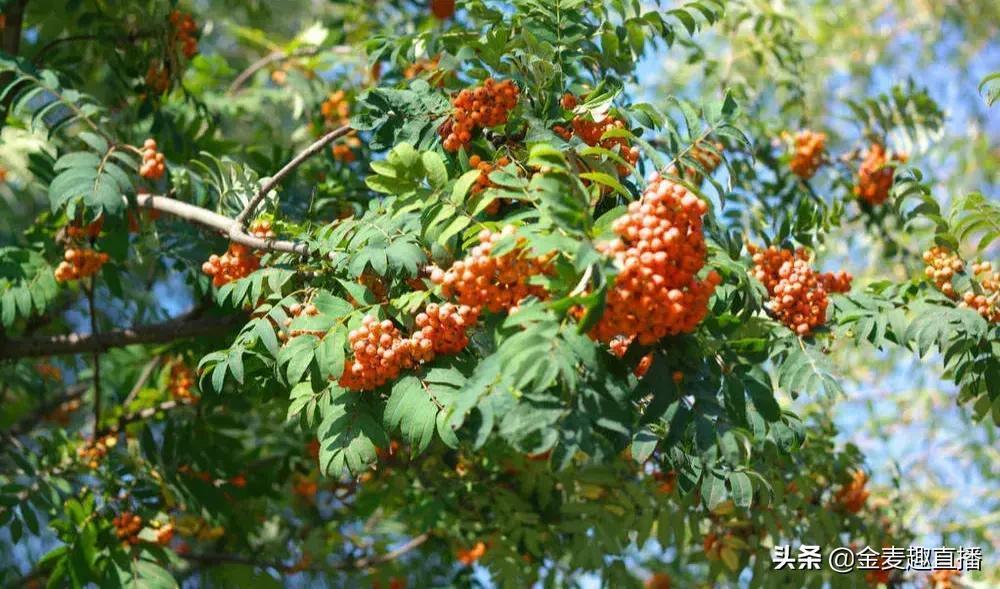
point(358, 564)
point(414, 543)
point(241, 220)
point(186, 326)
point(221, 223)
point(277, 57)
point(140, 382)
point(143, 414)
point(29, 422)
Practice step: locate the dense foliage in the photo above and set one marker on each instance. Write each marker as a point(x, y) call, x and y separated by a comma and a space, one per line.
point(410, 294)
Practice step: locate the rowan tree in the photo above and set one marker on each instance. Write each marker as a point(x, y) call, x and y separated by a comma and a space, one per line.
point(426, 294)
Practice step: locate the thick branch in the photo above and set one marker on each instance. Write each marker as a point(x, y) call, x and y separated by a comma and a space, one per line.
point(75, 343)
point(319, 144)
point(221, 223)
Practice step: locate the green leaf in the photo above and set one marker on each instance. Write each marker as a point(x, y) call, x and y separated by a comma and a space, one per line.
point(713, 490)
point(411, 409)
point(348, 438)
point(437, 173)
point(741, 488)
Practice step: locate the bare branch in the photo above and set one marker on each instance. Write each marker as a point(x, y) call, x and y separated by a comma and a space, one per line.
point(277, 57)
point(319, 144)
point(221, 223)
point(190, 325)
point(140, 382)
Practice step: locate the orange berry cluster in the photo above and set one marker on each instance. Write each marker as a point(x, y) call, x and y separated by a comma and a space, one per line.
point(262, 228)
point(79, 263)
point(808, 154)
point(127, 527)
point(875, 175)
point(88, 231)
point(425, 66)
point(944, 579)
point(3, 172)
point(381, 352)
point(798, 293)
point(591, 133)
point(483, 181)
point(706, 158)
point(658, 581)
point(158, 77)
point(619, 346)
point(852, 496)
point(497, 283)
point(667, 481)
point(336, 110)
point(488, 105)
point(153, 164)
point(92, 452)
point(467, 556)
point(343, 151)
point(184, 31)
point(238, 262)
point(659, 251)
point(443, 329)
point(988, 303)
point(47, 370)
point(164, 532)
point(61, 414)
point(296, 310)
point(943, 264)
point(305, 487)
point(880, 575)
point(712, 545)
point(181, 381)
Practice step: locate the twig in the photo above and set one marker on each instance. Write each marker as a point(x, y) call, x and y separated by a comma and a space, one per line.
point(221, 223)
point(147, 371)
point(275, 57)
point(415, 542)
point(236, 228)
point(75, 343)
point(37, 59)
point(243, 217)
